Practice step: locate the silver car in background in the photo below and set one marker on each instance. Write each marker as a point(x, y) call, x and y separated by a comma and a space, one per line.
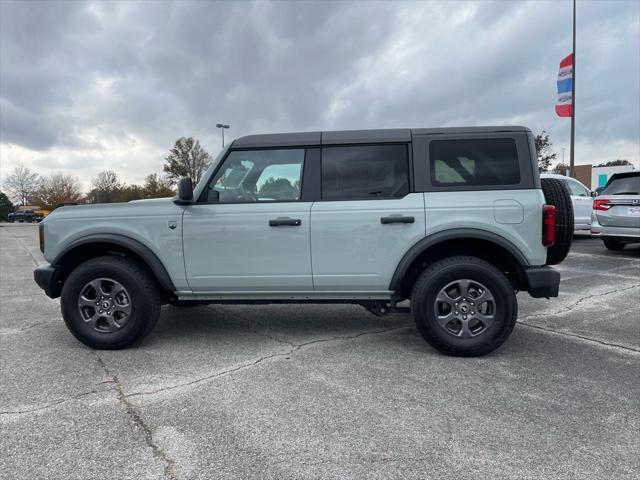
point(616, 211)
point(581, 198)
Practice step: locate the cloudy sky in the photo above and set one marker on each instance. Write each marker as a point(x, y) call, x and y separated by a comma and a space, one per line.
point(90, 86)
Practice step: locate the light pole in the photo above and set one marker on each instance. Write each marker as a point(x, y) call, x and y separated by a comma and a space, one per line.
point(563, 155)
point(222, 126)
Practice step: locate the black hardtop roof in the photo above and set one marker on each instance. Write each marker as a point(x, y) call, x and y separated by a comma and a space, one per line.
point(358, 136)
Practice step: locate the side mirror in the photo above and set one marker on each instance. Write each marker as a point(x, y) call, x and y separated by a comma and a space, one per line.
point(594, 194)
point(185, 191)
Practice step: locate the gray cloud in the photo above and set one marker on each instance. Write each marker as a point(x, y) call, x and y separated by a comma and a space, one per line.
point(80, 81)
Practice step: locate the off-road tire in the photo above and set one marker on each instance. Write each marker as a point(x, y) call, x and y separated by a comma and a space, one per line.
point(141, 286)
point(613, 244)
point(438, 275)
point(557, 194)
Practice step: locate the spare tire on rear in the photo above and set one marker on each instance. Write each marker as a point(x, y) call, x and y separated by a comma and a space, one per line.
point(556, 193)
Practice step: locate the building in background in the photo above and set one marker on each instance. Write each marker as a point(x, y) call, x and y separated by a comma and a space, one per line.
point(595, 177)
point(600, 175)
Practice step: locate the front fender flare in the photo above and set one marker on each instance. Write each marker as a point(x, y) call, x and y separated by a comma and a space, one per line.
point(144, 252)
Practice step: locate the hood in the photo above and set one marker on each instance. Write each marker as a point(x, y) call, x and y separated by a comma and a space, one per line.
point(134, 208)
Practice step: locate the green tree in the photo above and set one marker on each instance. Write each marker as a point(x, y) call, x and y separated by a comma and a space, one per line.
point(620, 162)
point(6, 207)
point(561, 168)
point(186, 159)
point(128, 193)
point(543, 151)
point(156, 186)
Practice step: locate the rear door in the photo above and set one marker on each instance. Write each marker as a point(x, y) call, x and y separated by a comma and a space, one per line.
point(366, 218)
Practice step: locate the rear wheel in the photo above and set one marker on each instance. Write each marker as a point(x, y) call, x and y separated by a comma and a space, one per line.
point(464, 306)
point(110, 302)
point(557, 194)
point(613, 244)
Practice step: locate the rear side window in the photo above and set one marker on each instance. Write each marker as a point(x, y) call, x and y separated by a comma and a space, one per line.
point(365, 172)
point(623, 186)
point(489, 161)
point(576, 189)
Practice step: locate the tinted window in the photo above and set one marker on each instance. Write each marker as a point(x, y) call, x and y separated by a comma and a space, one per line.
point(365, 171)
point(623, 186)
point(258, 176)
point(474, 162)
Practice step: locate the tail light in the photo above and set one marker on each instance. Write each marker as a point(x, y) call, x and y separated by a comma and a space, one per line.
point(601, 204)
point(548, 225)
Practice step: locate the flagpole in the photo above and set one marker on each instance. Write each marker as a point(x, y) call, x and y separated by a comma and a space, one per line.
point(572, 171)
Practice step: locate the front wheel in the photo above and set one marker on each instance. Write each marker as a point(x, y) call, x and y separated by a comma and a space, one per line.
point(110, 302)
point(464, 306)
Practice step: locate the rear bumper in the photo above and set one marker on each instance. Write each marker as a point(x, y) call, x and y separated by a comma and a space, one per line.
point(599, 230)
point(46, 276)
point(631, 233)
point(542, 281)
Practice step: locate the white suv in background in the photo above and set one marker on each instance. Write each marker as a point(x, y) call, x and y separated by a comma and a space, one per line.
point(581, 197)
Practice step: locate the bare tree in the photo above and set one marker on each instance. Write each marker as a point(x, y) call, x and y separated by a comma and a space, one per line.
point(105, 185)
point(58, 188)
point(22, 184)
point(186, 159)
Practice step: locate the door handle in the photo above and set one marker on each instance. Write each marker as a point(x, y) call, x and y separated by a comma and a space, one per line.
point(283, 221)
point(396, 219)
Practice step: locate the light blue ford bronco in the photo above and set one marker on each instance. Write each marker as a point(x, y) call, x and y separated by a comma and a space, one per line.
point(455, 220)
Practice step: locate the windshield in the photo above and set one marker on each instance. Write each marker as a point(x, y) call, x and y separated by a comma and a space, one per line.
point(207, 175)
point(623, 186)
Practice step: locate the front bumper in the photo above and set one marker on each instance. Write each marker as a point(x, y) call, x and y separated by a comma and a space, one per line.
point(542, 281)
point(47, 278)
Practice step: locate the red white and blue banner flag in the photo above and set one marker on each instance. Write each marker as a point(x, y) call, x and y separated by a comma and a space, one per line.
point(564, 107)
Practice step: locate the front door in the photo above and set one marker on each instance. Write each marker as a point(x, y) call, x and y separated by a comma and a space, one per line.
point(249, 231)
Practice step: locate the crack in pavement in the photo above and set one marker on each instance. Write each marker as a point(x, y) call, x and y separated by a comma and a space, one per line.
point(243, 366)
point(614, 346)
point(569, 308)
point(77, 396)
point(15, 331)
point(169, 463)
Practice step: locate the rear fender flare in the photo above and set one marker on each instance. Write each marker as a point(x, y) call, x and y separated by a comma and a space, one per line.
point(459, 233)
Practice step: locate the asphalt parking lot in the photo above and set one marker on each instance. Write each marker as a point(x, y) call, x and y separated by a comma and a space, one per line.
point(324, 391)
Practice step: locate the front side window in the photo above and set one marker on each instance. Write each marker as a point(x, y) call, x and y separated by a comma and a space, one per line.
point(478, 162)
point(365, 172)
point(258, 176)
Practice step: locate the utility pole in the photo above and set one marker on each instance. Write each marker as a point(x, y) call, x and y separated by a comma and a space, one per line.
point(572, 165)
point(222, 126)
point(563, 149)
